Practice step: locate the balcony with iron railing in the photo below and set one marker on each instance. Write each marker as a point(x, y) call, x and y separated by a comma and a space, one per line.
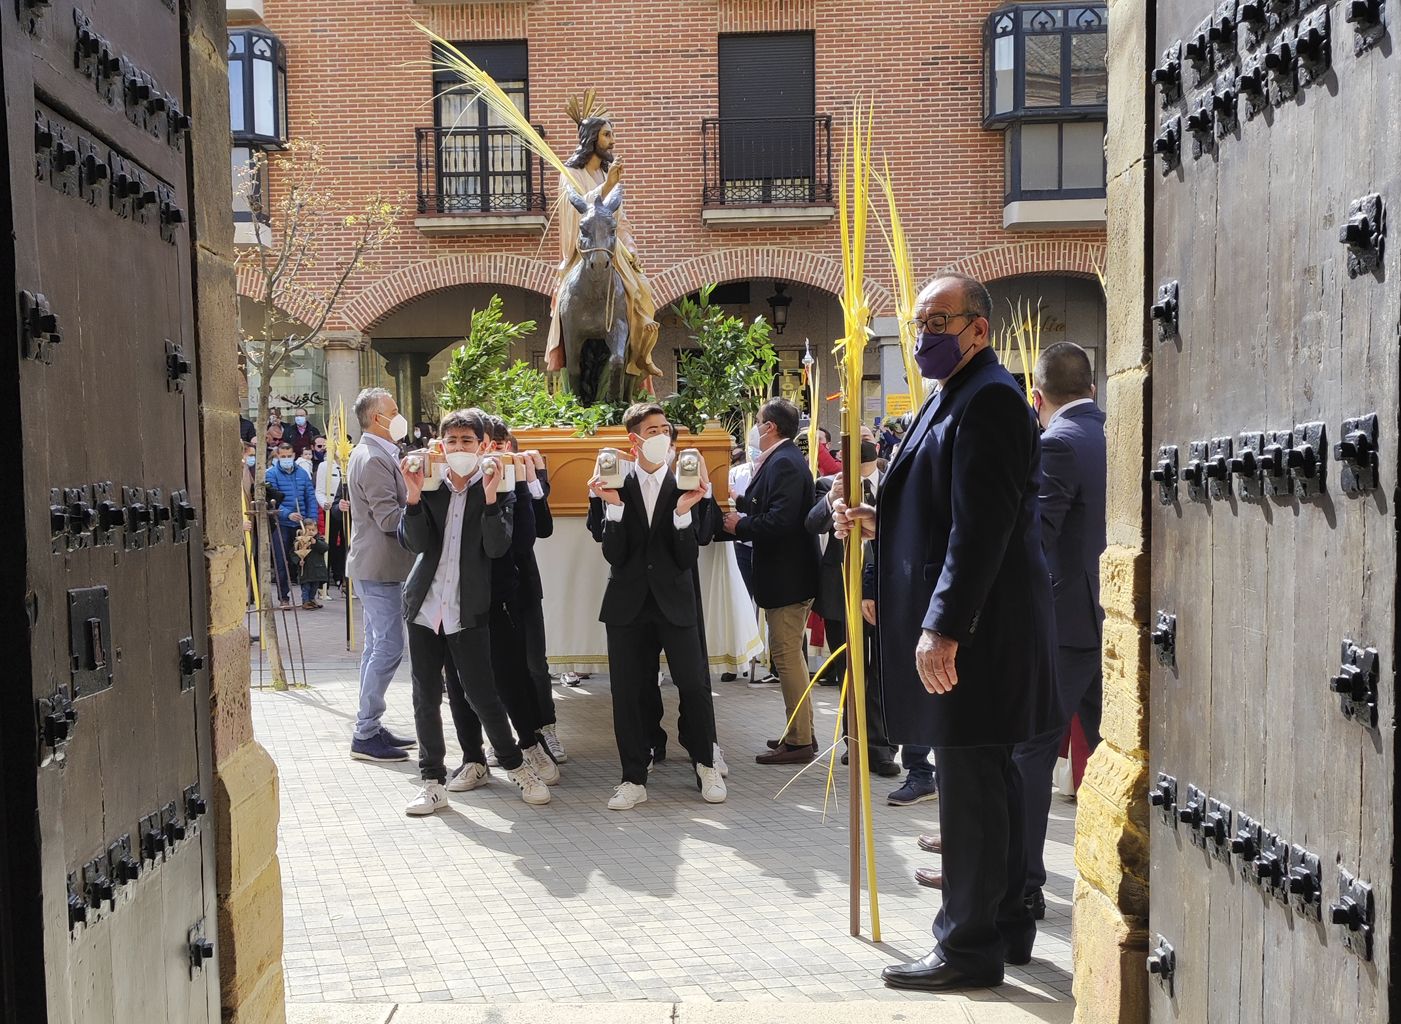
point(766, 170)
point(478, 180)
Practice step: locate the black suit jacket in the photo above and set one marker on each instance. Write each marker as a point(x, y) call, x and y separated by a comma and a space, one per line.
point(958, 551)
point(486, 534)
point(644, 558)
point(831, 594)
point(775, 508)
point(1073, 469)
point(527, 568)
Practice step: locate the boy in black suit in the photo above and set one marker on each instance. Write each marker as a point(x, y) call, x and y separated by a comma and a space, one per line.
point(650, 606)
point(456, 529)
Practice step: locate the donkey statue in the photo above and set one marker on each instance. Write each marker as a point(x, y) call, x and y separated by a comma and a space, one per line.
point(593, 310)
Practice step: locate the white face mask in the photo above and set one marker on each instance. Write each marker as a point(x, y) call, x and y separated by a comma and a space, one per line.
point(398, 427)
point(464, 464)
point(655, 448)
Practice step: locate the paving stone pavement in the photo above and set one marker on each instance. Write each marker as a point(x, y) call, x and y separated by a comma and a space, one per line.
point(676, 902)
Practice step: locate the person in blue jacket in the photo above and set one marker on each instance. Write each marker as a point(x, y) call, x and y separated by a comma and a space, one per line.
point(298, 506)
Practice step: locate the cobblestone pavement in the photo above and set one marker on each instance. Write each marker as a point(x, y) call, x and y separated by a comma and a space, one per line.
point(675, 902)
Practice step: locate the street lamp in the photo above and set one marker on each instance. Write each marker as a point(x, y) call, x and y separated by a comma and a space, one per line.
point(779, 303)
point(257, 88)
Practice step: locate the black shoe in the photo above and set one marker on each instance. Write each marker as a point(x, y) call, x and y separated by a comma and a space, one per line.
point(1036, 905)
point(728, 677)
point(395, 741)
point(931, 974)
point(887, 769)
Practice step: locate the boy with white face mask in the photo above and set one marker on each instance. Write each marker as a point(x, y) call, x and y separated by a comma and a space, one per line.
point(650, 606)
point(456, 531)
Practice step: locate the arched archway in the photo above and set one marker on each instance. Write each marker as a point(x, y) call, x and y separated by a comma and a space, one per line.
point(1044, 256)
point(747, 264)
point(378, 300)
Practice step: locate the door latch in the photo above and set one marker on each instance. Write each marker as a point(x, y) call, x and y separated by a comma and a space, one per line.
point(1164, 638)
point(1353, 913)
point(57, 716)
point(39, 326)
point(90, 637)
point(1164, 474)
point(1305, 883)
point(1168, 144)
point(1245, 844)
point(1216, 830)
point(1162, 963)
point(1164, 311)
point(1195, 473)
point(1364, 234)
point(1306, 459)
point(1163, 796)
point(1356, 454)
point(1356, 684)
point(1167, 76)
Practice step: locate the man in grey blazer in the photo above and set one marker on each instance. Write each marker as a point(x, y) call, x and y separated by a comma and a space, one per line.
point(378, 564)
point(1073, 537)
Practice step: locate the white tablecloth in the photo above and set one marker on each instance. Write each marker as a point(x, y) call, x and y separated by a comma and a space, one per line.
point(574, 575)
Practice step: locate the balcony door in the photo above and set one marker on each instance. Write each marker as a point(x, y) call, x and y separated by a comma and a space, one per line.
point(767, 117)
point(480, 165)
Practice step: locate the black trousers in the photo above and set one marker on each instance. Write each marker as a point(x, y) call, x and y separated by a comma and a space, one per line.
point(1080, 675)
point(878, 747)
point(657, 710)
point(634, 662)
point(983, 919)
point(469, 650)
point(514, 688)
point(529, 616)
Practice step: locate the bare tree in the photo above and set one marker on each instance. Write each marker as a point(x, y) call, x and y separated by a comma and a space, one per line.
point(308, 248)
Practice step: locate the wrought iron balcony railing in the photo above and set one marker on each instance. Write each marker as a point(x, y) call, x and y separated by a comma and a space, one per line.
point(766, 160)
point(466, 170)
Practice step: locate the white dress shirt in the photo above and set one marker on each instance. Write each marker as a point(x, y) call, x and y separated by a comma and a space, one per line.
point(1069, 405)
point(389, 446)
point(442, 608)
point(651, 486)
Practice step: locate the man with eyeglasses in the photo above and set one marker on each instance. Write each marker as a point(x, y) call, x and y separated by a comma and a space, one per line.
point(965, 627)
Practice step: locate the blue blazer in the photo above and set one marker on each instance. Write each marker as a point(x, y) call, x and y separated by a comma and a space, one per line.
point(958, 550)
point(1073, 473)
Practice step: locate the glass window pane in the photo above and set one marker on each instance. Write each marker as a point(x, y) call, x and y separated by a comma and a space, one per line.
point(1043, 70)
point(1089, 82)
point(241, 180)
point(1040, 157)
point(1084, 155)
point(262, 97)
point(1041, 19)
point(236, 95)
point(1004, 74)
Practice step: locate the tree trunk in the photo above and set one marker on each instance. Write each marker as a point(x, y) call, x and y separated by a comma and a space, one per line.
point(267, 614)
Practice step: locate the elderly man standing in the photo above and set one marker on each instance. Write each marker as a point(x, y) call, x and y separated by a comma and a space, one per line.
point(966, 634)
point(378, 565)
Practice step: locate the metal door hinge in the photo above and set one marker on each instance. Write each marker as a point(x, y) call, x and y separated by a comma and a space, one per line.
point(1364, 234)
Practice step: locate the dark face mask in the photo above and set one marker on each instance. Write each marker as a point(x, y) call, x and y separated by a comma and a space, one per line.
point(317, 456)
point(938, 354)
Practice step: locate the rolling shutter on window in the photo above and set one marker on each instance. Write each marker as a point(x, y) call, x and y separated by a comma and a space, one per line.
point(767, 105)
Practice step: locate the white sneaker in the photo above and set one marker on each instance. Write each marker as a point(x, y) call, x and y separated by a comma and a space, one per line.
point(469, 776)
point(555, 744)
point(720, 765)
point(432, 797)
point(627, 796)
point(712, 787)
point(539, 759)
point(533, 791)
point(491, 761)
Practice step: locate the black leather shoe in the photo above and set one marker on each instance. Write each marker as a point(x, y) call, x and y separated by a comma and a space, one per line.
point(931, 974)
point(728, 677)
point(1016, 957)
point(1036, 905)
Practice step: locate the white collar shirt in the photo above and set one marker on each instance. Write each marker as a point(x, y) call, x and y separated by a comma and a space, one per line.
point(442, 607)
point(1069, 405)
point(387, 446)
point(651, 486)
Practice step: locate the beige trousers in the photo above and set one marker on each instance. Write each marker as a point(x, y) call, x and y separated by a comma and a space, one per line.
point(786, 627)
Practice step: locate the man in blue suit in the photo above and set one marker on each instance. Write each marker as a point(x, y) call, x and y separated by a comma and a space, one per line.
point(965, 628)
point(1072, 535)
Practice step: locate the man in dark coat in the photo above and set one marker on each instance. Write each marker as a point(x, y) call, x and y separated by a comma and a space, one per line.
point(1073, 470)
point(966, 629)
point(771, 513)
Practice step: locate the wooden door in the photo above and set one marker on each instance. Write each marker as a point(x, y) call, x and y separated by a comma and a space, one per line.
point(1275, 308)
point(109, 866)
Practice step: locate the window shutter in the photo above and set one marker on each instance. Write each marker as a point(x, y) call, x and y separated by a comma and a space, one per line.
point(767, 105)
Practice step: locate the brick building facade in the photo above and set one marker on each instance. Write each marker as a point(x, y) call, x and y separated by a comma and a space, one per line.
point(360, 84)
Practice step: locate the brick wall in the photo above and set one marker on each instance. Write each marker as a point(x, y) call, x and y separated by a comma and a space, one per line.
point(655, 67)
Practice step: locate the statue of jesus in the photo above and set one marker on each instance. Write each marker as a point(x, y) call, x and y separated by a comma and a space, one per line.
point(593, 172)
